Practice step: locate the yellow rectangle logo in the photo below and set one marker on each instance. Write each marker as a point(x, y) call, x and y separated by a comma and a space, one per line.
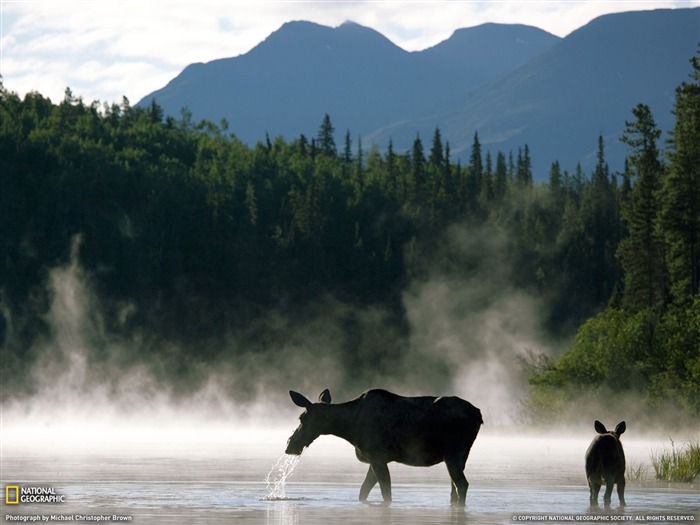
point(8, 489)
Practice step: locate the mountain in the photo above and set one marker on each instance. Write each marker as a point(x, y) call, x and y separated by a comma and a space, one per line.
point(286, 84)
point(513, 84)
point(585, 86)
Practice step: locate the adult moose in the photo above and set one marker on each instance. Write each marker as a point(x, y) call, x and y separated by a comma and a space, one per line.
point(385, 427)
point(605, 463)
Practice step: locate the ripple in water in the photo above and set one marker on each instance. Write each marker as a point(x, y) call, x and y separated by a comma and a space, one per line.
point(277, 477)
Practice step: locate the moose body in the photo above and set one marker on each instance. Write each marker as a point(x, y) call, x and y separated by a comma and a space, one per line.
point(605, 463)
point(385, 427)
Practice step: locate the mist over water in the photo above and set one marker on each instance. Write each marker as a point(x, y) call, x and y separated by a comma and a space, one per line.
point(464, 333)
point(476, 324)
point(133, 424)
point(467, 330)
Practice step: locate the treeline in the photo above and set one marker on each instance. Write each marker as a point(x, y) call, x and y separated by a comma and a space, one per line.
point(200, 234)
point(647, 340)
point(201, 231)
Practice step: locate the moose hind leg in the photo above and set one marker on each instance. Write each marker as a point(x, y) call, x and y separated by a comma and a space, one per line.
point(621, 490)
point(368, 484)
point(381, 472)
point(594, 488)
point(608, 492)
point(458, 494)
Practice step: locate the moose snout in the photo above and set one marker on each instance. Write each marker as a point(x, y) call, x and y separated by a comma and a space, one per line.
point(293, 448)
point(295, 445)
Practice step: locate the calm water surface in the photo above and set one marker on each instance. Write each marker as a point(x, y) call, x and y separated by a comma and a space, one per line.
point(511, 479)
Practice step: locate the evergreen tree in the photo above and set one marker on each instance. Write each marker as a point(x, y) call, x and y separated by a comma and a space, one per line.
point(436, 151)
point(392, 175)
point(681, 192)
point(500, 178)
point(601, 173)
point(359, 177)
point(523, 175)
point(347, 152)
point(476, 165)
point(418, 171)
point(486, 195)
point(556, 187)
point(642, 252)
point(326, 142)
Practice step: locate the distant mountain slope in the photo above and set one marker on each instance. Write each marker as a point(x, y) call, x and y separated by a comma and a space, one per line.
point(477, 54)
point(288, 82)
point(513, 84)
point(585, 86)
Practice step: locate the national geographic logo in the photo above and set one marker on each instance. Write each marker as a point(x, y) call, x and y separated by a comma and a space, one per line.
point(11, 500)
point(14, 495)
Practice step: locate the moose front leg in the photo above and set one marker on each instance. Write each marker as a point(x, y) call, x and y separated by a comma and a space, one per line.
point(368, 484)
point(381, 472)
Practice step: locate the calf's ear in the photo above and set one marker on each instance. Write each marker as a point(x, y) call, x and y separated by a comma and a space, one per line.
point(299, 400)
point(620, 428)
point(325, 396)
point(599, 427)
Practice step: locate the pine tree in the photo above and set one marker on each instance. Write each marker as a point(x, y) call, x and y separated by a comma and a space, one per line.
point(347, 152)
point(681, 192)
point(523, 175)
point(500, 178)
point(359, 176)
point(418, 170)
point(642, 252)
point(436, 150)
point(556, 188)
point(601, 173)
point(435, 178)
point(476, 164)
point(326, 142)
point(392, 177)
point(487, 192)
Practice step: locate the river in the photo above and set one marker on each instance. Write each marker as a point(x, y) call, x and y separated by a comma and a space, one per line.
point(183, 480)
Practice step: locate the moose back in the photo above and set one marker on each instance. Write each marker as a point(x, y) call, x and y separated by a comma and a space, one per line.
point(385, 427)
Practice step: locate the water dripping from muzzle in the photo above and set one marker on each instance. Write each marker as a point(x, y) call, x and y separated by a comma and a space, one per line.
point(276, 479)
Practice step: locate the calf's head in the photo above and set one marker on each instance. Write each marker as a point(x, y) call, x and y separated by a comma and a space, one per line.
point(619, 429)
point(311, 421)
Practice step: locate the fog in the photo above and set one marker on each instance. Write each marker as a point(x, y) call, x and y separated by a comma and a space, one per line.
point(476, 325)
point(127, 422)
point(467, 332)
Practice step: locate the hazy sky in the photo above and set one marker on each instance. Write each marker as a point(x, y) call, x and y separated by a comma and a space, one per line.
point(106, 49)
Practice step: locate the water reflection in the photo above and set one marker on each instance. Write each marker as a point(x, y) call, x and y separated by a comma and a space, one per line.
point(290, 512)
point(282, 512)
point(227, 485)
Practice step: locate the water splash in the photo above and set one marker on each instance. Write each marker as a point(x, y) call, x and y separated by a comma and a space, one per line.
point(278, 475)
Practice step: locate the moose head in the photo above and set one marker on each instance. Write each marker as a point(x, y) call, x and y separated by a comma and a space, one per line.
point(311, 421)
point(619, 428)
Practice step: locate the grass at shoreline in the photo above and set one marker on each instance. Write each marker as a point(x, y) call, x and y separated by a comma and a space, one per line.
point(680, 463)
point(636, 473)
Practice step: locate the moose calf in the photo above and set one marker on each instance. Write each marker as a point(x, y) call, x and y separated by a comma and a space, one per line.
point(605, 463)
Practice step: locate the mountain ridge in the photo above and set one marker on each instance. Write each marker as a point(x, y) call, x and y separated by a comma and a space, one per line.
point(511, 83)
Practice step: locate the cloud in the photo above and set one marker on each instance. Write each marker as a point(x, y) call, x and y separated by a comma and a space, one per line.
point(59, 37)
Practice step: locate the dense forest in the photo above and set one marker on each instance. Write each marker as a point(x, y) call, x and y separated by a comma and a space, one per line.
point(188, 235)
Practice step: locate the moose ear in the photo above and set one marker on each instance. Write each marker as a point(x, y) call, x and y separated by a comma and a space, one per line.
point(299, 400)
point(620, 428)
point(325, 396)
point(599, 427)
